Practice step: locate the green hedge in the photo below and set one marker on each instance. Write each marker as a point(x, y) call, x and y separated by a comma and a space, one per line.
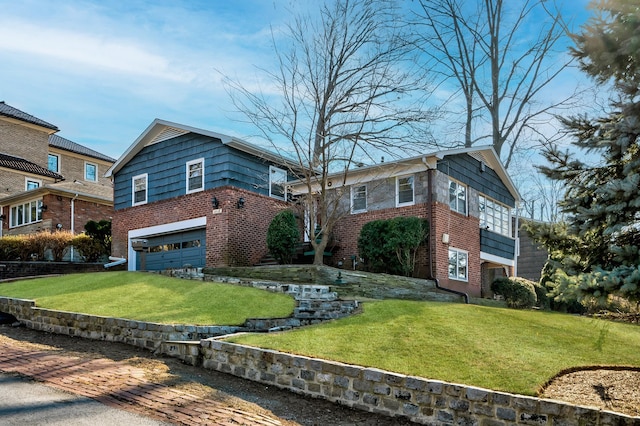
point(391, 245)
point(56, 244)
point(519, 293)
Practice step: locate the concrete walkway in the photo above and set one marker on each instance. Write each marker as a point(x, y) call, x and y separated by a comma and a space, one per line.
point(122, 386)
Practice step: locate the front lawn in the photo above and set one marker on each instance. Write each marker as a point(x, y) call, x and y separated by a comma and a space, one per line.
point(502, 349)
point(151, 298)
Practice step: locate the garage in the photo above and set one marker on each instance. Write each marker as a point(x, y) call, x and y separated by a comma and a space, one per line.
point(174, 251)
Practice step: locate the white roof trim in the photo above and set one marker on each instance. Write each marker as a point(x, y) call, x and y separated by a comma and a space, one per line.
point(418, 163)
point(160, 130)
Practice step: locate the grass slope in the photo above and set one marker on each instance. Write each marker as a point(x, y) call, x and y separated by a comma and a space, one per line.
point(501, 349)
point(151, 297)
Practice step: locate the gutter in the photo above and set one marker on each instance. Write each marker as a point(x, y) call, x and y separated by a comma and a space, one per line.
point(116, 261)
point(432, 277)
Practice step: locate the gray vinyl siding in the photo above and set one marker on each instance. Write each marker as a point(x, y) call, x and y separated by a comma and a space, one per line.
point(165, 164)
point(466, 169)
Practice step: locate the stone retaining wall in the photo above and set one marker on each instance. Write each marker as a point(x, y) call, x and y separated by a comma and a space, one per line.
point(136, 333)
point(15, 269)
point(423, 401)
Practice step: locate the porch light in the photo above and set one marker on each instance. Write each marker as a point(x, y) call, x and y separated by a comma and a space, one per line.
point(215, 203)
point(240, 203)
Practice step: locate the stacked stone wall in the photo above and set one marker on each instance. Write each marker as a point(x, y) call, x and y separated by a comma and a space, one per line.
point(16, 269)
point(421, 400)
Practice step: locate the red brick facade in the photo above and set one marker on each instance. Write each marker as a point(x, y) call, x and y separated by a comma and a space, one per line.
point(234, 236)
point(462, 232)
point(58, 211)
point(347, 231)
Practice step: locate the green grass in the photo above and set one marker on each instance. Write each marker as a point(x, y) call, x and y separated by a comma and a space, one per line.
point(152, 298)
point(496, 348)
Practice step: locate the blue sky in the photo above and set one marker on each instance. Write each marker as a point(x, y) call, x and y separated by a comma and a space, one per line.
point(103, 70)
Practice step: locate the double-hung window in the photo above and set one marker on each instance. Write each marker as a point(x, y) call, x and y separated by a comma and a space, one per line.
point(277, 182)
point(53, 163)
point(458, 264)
point(493, 215)
point(404, 191)
point(90, 172)
point(358, 198)
point(139, 189)
point(195, 175)
point(457, 197)
point(24, 214)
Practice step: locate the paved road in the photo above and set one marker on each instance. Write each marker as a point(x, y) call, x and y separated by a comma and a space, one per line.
point(115, 384)
point(25, 402)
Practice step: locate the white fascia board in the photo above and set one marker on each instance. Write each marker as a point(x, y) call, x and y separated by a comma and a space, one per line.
point(497, 259)
point(362, 175)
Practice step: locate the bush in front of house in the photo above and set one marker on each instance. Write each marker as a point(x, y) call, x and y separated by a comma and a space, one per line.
point(283, 236)
point(391, 245)
point(100, 232)
point(519, 293)
point(11, 247)
point(57, 243)
point(89, 248)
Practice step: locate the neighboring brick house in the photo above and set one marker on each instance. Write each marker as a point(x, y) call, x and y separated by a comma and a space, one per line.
point(197, 197)
point(48, 182)
point(465, 194)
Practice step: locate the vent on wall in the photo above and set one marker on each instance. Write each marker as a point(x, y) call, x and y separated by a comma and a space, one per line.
point(168, 133)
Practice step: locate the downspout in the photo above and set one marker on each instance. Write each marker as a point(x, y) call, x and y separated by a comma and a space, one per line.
point(431, 242)
point(73, 221)
point(1, 220)
point(517, 237)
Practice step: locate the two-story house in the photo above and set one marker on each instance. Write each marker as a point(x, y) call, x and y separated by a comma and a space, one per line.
point(195, 197)
point(466, 196)
point(48, 182)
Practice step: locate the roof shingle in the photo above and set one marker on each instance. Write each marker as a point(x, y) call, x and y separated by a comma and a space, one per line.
point(9, 111)
point(66, 144)
point(17, 163)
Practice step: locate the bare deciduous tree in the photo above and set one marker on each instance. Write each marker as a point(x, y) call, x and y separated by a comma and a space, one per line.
point(500, 57)
point(343, 94)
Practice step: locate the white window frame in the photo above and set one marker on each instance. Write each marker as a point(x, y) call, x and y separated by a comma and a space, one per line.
point(26, 211)
point(459, 255)
point(57, 162)
point(355, 190)
point(274, 172)
point(35, 181)
point(144, 176)
point(413, 191)
point(494, 216)
point(465, 204)
point(188, 171)
point(86, 164)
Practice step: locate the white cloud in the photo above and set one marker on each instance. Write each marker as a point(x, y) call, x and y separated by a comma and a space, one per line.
point(111, 54)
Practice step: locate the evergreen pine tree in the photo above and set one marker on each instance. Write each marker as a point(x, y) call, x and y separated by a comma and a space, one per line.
point(597, 252)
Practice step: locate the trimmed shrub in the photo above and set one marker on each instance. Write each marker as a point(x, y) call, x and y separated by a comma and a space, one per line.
point(391, 245)
point(34, 247)
point(100, 232)
point(90, 249)
point(283, 236)
point(57, 242)
point(519, 293)
point(541, 295)
point(11, 247)
point(371, 247)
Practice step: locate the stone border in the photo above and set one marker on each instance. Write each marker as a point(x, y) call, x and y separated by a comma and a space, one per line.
point(421, 400)
point(136, 333)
